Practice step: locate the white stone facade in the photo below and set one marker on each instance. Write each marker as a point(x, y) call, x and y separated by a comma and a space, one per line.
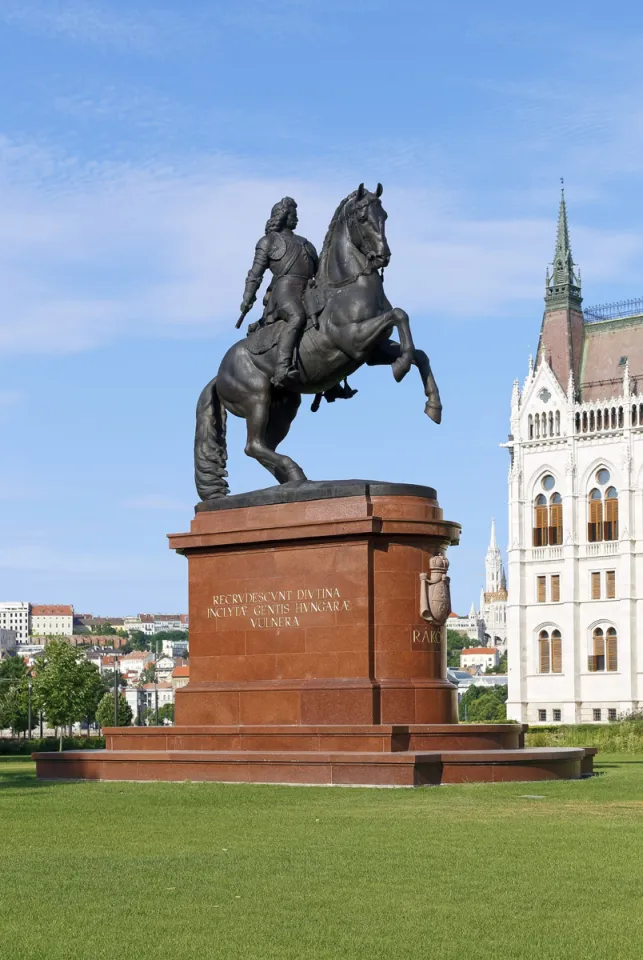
point(575, 555)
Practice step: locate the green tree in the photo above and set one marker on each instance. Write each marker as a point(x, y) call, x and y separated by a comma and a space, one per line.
point(105, 711)
point(456, 642)
point(502, 666)
point(138, 640)
point(14, 709)
point(484, 703)
point(67, 688)
point(12, 668)
point(148, 673)
point(108, 680)
point(166, 712)
point(103, 629)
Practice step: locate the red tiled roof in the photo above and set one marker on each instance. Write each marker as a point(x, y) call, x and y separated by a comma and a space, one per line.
point(181, 672)
point(481, 650)
point(46, 610)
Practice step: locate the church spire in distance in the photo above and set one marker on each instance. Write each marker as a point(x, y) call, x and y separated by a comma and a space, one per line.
point(562, 287)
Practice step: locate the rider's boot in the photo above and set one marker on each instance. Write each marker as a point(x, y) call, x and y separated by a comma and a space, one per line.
point(286, 372)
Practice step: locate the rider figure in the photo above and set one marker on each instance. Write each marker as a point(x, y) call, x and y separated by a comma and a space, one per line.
point(293, 262)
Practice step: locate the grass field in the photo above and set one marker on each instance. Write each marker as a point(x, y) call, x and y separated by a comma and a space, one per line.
point(123, 870)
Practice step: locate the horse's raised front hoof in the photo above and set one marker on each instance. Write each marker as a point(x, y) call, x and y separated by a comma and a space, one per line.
point(400, 368)
point(434, 411)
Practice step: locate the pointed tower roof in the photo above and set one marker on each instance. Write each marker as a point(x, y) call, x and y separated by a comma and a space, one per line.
point(563, 329)
point(562, 287)
point(472, 611)
point(493, 543)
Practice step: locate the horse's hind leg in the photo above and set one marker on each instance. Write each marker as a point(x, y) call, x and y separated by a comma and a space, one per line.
point(267, 424)
point(387, 353)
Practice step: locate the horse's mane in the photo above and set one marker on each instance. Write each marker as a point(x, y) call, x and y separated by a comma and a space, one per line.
point(322, 271)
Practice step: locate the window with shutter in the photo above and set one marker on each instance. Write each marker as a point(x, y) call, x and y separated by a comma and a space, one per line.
point(555, 520)
point(556, 652)
point(595, 525)
point(612, 653)
point(596, 586)
point(541, 589)
point(597, 659)
point(540, 538)
point(611, 514)
point(555, 588)
point(543, 650)
point(610, 584)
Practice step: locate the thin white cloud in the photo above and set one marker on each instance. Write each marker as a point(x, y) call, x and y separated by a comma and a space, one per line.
point(92, 254)
point(155, 501)
point(148, 31)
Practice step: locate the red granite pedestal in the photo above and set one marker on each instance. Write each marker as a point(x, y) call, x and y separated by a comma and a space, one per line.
point(309, 659)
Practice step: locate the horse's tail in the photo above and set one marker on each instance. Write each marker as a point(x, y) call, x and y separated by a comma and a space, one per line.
point(210, 451)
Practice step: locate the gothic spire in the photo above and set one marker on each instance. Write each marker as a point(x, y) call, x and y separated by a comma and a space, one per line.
point(493, 543)
point(562, 287)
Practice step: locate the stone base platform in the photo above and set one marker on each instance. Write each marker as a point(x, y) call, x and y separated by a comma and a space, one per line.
point(359, 756)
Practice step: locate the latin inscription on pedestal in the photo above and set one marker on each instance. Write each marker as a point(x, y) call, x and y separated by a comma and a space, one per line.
point(278, 609)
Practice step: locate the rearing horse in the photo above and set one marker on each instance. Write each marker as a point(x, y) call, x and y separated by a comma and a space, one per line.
point(353, 328)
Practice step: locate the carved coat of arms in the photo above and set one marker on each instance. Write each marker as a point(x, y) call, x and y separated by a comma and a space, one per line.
point(435, 591)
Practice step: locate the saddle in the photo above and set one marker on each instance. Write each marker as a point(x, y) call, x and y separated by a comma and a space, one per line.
point(264, 334)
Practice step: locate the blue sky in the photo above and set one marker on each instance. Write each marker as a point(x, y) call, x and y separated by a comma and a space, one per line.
point(141, 147)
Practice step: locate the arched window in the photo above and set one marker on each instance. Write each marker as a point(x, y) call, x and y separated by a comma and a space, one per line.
point(577, 418)
point(531, 427)
point(537, 423)
point(550, 652)
point(548, 515)
point(613, 418)
point(595, 525)
point(551, 424)
point(592, 420)
point(604, 651)
point(599, 419)
point(558, 423)
point(584, 421)
point(541, 522)
point(620, 416)
point(634, 410)
point(555, 519)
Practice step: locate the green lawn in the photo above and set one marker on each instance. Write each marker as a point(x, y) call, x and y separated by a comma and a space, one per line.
point(222, 871)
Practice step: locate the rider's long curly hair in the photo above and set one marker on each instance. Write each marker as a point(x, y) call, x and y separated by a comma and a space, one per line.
point(278, 214)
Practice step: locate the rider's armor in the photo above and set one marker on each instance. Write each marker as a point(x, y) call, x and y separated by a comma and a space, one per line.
point(293, 262)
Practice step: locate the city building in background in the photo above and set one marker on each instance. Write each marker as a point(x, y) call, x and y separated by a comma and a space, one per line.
point(480, 658)
point(8, 640)
point(52, 621)
point(576, 510)
point(16, 616)
point(471, 627)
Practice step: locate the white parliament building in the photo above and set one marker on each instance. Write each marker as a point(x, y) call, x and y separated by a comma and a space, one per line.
point(575, 555)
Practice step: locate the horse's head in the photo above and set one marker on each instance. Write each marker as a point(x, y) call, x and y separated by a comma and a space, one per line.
point(366, 221)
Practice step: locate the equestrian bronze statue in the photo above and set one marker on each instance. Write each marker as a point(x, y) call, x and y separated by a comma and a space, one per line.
point(321, 322)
